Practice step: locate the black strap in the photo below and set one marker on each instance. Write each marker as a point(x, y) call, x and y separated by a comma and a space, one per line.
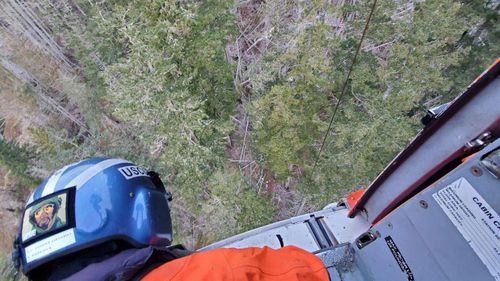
point(159, 257)
point(155, 178)
point(16, 254)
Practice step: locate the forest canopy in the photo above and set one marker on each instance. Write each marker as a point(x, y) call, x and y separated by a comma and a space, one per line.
point(230, 101)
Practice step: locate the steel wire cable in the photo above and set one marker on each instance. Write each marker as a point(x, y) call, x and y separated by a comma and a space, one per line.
point(344, 86)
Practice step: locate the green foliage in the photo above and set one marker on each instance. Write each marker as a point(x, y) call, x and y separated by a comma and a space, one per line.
point(409, 48)
point(483, 39)
point(290, 117)
point(231, 205)
point(43, 140)
point(286, 126)
point(156, 88)
point(18, 159)
point(378, 117)
point(172, 85)
point(159, 69)
point(239, 196)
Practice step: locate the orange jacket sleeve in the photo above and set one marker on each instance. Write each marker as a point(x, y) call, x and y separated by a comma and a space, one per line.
point(253, 264)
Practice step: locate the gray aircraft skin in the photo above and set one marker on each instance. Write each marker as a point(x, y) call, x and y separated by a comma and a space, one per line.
point(433, 212)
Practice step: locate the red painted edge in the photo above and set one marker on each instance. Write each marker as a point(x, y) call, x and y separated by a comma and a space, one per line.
point(353, 197)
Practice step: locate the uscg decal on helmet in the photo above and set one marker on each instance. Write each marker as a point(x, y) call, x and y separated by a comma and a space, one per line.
point(133, 171)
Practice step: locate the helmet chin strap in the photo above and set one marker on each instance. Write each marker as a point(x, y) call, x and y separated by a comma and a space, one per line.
point(16, 254)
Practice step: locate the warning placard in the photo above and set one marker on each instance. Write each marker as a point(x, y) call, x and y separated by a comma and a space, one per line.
point(475, 219)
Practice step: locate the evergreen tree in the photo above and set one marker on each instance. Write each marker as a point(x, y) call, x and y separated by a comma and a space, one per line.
point(408, 49)
point(380, 114)
point(19, 160)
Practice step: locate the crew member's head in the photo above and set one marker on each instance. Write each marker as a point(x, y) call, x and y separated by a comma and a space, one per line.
point(88, 211)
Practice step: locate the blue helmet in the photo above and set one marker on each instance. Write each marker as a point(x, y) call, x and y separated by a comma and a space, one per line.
point(88, 204)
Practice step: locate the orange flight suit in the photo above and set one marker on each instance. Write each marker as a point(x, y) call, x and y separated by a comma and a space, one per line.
point(249, 264)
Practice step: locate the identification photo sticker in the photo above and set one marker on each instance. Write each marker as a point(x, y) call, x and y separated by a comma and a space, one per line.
point(45, 216)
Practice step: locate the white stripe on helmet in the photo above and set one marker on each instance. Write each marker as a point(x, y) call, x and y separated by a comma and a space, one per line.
point(50, 186)
point(31, 198)
point(82, 178)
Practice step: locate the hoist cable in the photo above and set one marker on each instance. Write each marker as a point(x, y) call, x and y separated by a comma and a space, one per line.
point(344, 86)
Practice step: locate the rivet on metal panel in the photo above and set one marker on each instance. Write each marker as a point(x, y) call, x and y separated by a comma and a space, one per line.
point(378, 234)
point(423, 204)
point(389, 225)
point(476, 171)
